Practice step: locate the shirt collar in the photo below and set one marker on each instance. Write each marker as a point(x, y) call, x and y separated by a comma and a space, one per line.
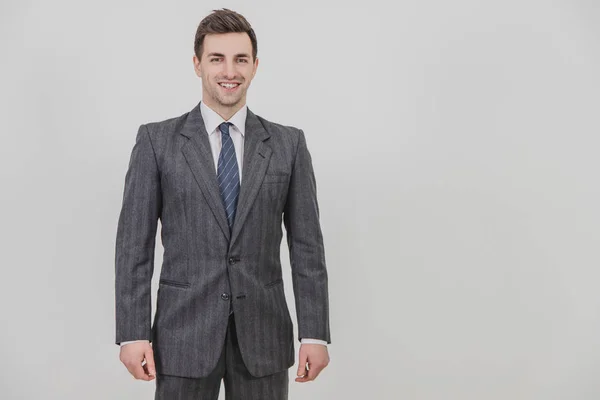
point(212, 120)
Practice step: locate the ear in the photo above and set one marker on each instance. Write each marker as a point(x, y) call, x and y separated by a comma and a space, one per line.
point(197, 66)
point(255, 67)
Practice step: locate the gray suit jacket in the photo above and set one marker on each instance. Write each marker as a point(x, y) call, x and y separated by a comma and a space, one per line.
point(171, 177)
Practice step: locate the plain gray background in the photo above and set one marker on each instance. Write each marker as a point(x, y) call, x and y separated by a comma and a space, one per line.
point(455, 146)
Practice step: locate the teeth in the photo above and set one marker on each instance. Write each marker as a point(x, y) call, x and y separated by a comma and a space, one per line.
point(228, 85)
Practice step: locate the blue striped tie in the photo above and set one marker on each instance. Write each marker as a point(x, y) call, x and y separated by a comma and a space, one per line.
point(228, 174)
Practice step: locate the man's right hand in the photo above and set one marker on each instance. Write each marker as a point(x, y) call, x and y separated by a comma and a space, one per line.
point(133, 355)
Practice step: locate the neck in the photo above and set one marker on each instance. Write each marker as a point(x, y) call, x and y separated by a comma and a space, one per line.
point(225, 111)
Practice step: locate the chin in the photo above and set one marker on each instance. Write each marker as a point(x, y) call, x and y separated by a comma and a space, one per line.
point(228, 101)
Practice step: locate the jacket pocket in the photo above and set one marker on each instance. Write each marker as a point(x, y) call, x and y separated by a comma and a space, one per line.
point(169, 282)
point(273, 283)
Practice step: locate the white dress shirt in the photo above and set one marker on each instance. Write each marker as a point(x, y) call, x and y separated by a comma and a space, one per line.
point(237, 131)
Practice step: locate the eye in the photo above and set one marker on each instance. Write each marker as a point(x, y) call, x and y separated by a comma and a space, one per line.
point(243, 60)
point(214, 59)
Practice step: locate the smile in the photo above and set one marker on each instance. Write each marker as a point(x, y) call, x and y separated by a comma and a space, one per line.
point(229, 86)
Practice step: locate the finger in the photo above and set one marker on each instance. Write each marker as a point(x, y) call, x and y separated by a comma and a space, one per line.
point(303, 377)
point(147, 372)
point(301, 365)
point(137, 370)
point(313, 372)
point(150, 362)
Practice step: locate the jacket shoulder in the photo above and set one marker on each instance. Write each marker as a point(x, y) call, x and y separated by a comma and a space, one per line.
point(287, 133)
point(168, 125)
point(271, 126)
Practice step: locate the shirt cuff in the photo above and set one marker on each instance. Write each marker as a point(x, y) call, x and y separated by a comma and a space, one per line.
point(313, 341)
point(133, 341)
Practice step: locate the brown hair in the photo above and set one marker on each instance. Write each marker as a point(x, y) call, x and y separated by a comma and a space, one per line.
point(223, 21)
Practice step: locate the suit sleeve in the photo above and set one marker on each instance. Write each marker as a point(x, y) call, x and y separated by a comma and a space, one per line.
point(307, 253)
point(135, 242)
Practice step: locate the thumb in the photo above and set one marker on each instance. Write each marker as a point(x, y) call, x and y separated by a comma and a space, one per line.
point(301, 365)
point(149, 355)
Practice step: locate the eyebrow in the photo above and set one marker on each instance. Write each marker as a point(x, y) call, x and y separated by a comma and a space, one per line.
point(223, 55)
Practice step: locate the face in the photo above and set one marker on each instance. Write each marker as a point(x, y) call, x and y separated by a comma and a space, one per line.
point(226, 69)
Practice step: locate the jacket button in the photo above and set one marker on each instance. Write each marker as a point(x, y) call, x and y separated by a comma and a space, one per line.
point(225, 296)
point(231, 260)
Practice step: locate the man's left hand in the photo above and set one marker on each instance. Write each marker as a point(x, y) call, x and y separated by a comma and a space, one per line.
point(317, 358)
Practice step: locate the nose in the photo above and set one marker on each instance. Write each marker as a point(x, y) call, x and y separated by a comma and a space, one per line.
point(229, 69)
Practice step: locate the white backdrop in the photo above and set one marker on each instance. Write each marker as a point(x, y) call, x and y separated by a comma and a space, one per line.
point(455, 146)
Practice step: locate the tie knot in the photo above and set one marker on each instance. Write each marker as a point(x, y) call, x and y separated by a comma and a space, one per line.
point(224, 128)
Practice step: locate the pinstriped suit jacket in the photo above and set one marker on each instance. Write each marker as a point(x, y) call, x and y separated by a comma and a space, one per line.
point(171, 177)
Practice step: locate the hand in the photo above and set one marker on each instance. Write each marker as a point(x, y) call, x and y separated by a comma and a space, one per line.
point(316, 356)
point(133, 355)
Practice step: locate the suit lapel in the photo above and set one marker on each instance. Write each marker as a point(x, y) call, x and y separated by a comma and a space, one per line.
point(199, 157)
point(256, 159)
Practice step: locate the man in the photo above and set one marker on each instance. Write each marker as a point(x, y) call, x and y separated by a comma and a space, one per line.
point(221, 180)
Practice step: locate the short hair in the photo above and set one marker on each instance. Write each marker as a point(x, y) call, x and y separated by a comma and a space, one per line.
point(223, 21)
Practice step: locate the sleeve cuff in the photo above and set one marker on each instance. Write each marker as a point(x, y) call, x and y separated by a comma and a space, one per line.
point(133, 341)
point(313, 341)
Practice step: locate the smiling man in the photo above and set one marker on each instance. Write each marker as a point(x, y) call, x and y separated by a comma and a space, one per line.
point(221, 180)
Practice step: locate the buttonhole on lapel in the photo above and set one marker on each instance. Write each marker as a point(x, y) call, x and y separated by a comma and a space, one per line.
point(241, 296)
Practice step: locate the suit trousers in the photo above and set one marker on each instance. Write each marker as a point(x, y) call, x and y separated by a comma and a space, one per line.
point(239, 384)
